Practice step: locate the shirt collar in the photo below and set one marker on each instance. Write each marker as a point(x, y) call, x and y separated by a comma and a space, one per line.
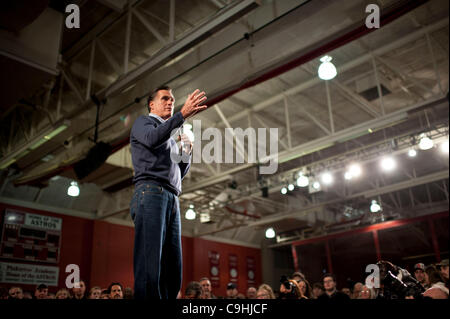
point(157, 117)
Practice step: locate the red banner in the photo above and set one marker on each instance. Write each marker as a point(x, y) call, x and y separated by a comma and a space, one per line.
point(214, 270)
point(233, 268)
point(251, 272)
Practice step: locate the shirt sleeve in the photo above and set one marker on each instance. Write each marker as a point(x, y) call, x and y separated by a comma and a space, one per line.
point(149, 134)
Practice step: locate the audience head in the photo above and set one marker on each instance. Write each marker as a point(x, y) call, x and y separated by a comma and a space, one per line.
point(63, 294)
point(317, 290)
point(251, 293)
point(265, 292)
point(15, 292)
point(232, 291)
point(193, 290)
point(95, 293)
point(79, 290)
point(443, 268)
point(206, 288)
point(115, 291)
point(329, 282)
point(41, 291)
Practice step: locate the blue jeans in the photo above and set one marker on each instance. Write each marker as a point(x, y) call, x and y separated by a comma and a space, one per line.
point(157, 242)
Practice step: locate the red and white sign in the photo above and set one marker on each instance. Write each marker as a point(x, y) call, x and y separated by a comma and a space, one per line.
point(251, 271)
point(233, 268)
point(13, 273)
point(214, 270)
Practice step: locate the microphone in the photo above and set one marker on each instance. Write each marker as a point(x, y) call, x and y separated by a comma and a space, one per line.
point(181, 141)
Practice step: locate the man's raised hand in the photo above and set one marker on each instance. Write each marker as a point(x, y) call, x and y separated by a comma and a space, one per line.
point(193, 104)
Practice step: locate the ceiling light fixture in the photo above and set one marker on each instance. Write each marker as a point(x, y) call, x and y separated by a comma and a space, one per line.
point(302, 180)
point(327, 178)
point(412, 153)
point(190, 213)
point(444, 146)
point(327, 70)
point(425, 142)
point(284, 190)
point(388, 164)
point(375, 207)
point(73, 189)
point(270, 233)
point(291, 187)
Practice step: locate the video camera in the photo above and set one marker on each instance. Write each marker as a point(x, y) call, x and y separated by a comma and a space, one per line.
point(398, 282)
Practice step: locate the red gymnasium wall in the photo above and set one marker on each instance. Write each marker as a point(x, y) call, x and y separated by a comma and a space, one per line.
point(104, 253)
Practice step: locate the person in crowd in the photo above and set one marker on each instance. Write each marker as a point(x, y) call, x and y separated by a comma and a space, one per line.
point(63, 293)
point(193, 290)
point(95, 292)
point(27, 294)
point(3, 293)
point(206, 288)
point(419, 274)
point(232, 292)
point(251, 293)
point(317, 290)
point(51, 295)
point(366, 293)
point(265, 292)
point(115, 291)
point(297, 276)
point(15, 292)
point(305, 288)
point(79, 290)
point(105, 294)
point(436, 283)
point(443, 269)
point(128, 293)
point(289, 289)
point(357, 287)
point(41, 291)
point(347, 291)
point(329, 283)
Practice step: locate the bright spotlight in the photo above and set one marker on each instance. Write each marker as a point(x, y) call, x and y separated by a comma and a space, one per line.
point(316, 185)
point(284, 190)
point(73, 189)
point(302, 180)
point(348, 176)
point(388, 164)
point(270, 233)
point(291, 187)
point(425, 143)
point(375, 207)
point(327, 70)
point(355, 170)
point(412, 153)
point(190, 213)
point(327, 178)
point(444, 147)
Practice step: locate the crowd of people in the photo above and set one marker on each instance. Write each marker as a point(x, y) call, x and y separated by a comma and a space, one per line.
point(430, 281)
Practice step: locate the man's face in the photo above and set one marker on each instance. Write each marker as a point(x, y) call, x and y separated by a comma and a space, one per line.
point(420, 275)
point(251, 293)
point(444, 272)
point(232, 292)
point(347, 291)
point(206, 287)
point(163, 104)
point(116, 292)
point(16, 293)
point(329, 284)
point(41, 293)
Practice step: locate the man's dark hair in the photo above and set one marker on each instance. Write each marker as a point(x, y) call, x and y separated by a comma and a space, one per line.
point(329, 275)
point(115, 284)
point(152, 95)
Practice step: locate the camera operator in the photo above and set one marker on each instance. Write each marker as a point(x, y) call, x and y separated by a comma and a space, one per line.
point(397, 283)
point(289, 289)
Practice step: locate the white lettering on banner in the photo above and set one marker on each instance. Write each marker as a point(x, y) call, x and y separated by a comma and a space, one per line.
point(43, 222)
point(28, 274)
